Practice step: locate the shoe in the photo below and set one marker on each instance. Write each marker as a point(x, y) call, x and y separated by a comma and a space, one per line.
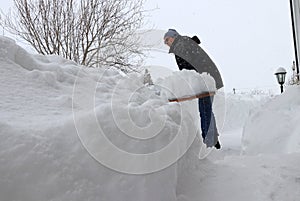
point(218, 146)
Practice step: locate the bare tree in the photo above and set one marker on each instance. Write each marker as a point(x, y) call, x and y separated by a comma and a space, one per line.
point(89, 32)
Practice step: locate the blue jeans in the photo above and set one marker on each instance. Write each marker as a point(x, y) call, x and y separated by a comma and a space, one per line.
point(208, 122)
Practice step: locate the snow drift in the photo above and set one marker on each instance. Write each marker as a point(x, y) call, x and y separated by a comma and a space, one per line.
point(274, 127)
point(59, 123)
point(64, 130)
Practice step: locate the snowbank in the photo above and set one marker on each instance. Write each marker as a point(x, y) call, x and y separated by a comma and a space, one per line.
point(69, 133)
point(239, 107)
point(274, 127)
point(186, 83)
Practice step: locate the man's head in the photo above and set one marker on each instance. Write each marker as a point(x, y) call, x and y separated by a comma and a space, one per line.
point(170, 36)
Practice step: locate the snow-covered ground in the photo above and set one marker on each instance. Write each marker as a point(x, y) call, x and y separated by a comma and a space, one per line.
point(71, 133)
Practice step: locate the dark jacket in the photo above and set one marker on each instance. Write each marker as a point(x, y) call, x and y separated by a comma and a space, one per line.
point(189, 55)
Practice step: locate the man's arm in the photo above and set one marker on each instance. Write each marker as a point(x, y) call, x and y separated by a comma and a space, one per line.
point(183, 64)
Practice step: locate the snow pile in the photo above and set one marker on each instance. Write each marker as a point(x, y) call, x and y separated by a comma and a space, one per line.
point(274, 127)
point(70, 133)
point(133, 118)
point(186, 83)
point(239, 107)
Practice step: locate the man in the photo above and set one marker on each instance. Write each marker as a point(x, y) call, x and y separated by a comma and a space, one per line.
point(189, 55)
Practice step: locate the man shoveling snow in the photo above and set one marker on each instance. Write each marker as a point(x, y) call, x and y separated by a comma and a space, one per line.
point(189, 55)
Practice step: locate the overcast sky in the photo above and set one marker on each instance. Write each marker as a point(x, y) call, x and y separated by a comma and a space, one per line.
point(248, 40)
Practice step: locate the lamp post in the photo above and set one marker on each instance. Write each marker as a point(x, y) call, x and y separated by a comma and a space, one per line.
point(280, 75)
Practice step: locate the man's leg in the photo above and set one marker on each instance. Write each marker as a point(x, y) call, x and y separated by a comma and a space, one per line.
point(204, 113)
point(208, 122)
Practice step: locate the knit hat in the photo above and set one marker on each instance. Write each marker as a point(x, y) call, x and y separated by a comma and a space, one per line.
point(171, 33)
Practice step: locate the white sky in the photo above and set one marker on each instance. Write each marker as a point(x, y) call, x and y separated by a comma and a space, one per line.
point(248, 40)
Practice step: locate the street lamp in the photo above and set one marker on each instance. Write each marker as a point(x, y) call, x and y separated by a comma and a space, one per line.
point(280, 75)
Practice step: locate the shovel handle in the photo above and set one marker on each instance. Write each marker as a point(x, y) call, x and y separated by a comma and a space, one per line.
point(185, 98)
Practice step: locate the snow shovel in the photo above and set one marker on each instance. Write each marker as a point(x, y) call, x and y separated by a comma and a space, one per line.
point(186, 98)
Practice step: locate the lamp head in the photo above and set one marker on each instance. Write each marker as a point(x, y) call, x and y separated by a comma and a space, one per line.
point(280, 75)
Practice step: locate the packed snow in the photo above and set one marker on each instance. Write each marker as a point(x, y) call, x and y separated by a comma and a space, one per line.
point(186, 83)
point(72, 133)
point(275, 127)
